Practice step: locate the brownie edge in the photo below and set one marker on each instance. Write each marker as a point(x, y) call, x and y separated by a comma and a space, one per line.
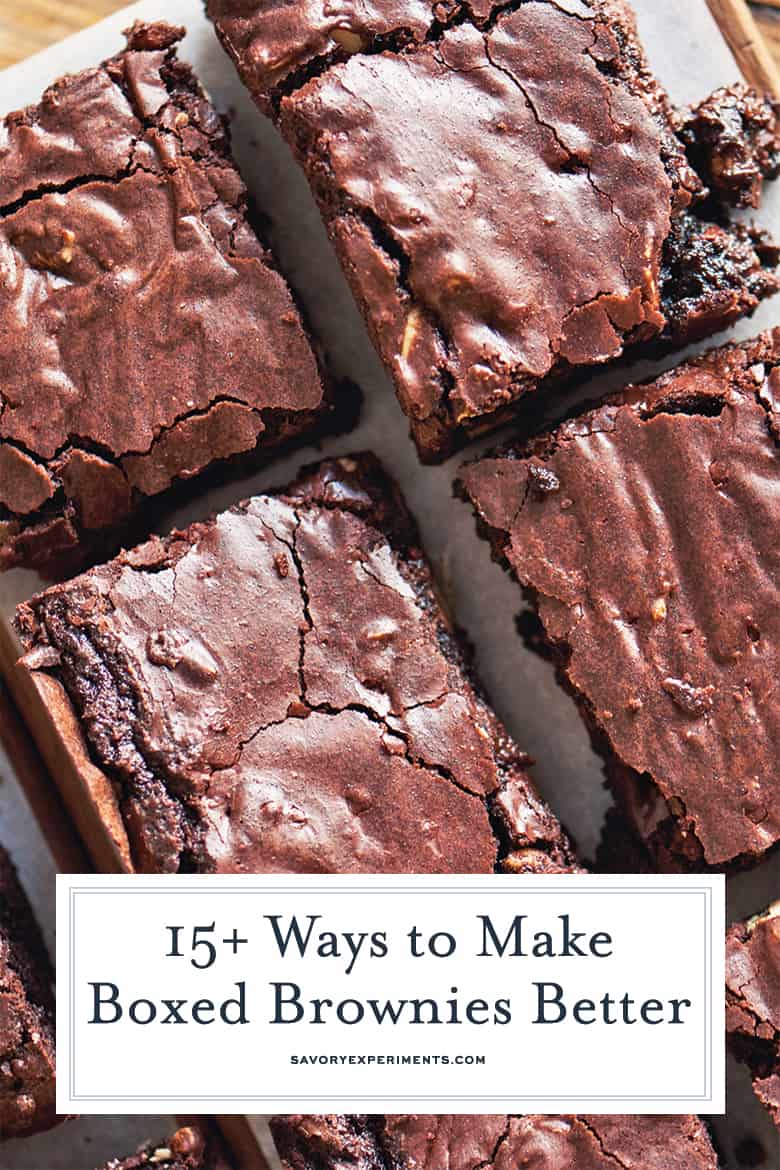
point(147, 333)
point(508, 191)
point(411, 1142)
point(643, 534)
point(27, 1084)
point(281, 690)
point(753, 1002)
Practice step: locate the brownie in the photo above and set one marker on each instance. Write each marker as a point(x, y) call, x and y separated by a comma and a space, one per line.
point(146, 331)
point(414, 1142)
point(190, 1148)
point(27, 1096)
point(734, 137)
point(753, 1002)
point(644, 533)
point(280, 690)
point(505, 189)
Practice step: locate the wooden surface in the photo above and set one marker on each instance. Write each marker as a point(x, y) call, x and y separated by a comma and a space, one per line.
point(29, 25)
point(768, 20)
point(748, 44)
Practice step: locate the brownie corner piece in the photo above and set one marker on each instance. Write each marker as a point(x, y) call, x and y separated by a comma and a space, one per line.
point(753, 1002)
point(147, 333)
point(508, 189)
point(27, 1073)
point(192, 1147)
point(466, 1142)
point(281, 690)
point(643, 534)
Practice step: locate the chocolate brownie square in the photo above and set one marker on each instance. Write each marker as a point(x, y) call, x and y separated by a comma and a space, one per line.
point(146, 331)
point(193, 1147)
point(280, 690)
point(414, 1142)
point(644, 533)
point(753, 1002)
point(506, 189)
point(27, 1096)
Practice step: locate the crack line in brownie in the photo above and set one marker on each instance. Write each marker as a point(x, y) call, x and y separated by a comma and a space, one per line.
point(500, 1141)
point(69, 186)
point(384, 238)
point(572, 158)
point(600, 1143)
point(400, 39)
point(80, 444)
point(382, 232)
point(170, 789)
point(751, 377)
point(187, 164)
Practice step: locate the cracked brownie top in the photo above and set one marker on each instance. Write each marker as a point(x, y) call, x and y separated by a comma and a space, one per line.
point(644, 532)
point(413, 1142)
point(280, 691)
point(145, 330)
point(505, 187)
point(753, 1001)
point(26, 1015)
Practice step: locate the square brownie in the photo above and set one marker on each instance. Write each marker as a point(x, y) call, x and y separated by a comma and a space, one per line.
point(415, 1142)
point(644, 533)
point(507, 188)
point(27, 1094)
point(193, 1147)
point(753, 1002)
point(146, 331)
point(280, 690)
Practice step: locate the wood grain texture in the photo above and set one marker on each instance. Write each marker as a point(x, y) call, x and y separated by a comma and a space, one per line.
point(767, 16)
point(26, 26)
point(747, 44)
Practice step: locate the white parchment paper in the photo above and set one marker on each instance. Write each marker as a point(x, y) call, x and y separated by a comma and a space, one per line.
point(689, 55)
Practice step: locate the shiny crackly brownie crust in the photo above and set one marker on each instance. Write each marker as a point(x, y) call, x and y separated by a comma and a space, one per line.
point(506, 190)
point(146, 332)
point(193, 1147)
point(27, 1093)
point(280, 690)
point(410, 1142)
point(753, 1002)
point(643, 533)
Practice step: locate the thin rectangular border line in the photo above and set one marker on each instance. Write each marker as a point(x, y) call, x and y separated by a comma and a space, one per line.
point(704, 1098)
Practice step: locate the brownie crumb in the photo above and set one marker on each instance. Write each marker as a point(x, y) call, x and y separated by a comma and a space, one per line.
point(733, 138)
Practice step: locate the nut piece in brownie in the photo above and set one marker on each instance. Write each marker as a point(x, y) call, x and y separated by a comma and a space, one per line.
point(27, 1095)
point(505, 190)
point(193, 1147)
point(146, 332)
point(645, 534)
point(414, 1142)
point(753, 1002)
point(280, 690)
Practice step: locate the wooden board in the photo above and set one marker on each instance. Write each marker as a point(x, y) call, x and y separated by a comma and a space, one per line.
point(243, 1143)
point(86, 792)
point(26, 26)
point(43, 799)
point(744, 38)
point(767, 17)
